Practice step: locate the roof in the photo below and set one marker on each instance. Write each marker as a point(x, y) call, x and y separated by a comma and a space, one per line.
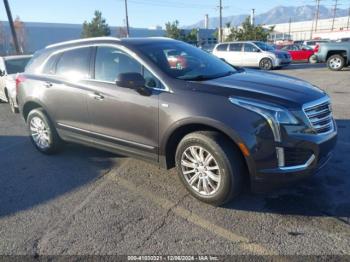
point(132, 40)
point(13, 57)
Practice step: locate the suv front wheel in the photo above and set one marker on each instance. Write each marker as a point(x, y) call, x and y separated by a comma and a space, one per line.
point(210, 167)
point(266, 64)
point(336, 62)
point(42, 132)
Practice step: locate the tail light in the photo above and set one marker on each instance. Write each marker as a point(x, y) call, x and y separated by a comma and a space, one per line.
point(19, 79)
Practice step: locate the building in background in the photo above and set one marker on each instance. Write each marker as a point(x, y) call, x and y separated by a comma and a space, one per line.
point(307, 30)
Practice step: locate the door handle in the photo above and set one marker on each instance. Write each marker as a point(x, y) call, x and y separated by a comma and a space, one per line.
point(97, 96)
point(48, 84)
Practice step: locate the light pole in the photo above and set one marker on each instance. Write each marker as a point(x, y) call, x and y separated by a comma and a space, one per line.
point(127, 19)
point(13, 31)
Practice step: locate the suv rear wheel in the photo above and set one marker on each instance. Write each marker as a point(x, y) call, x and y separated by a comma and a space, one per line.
point(42, 132)
point(210, 167)
point(336, 62)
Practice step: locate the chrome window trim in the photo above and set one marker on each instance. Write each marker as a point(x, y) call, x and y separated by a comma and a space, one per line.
point(299, 167)
point(121, 47)
point(106, 136)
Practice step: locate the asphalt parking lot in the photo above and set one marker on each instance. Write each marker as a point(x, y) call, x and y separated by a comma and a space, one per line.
point(84, 201)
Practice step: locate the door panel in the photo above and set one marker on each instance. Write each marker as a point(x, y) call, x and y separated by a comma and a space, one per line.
point(65, 93)
point(121, 117)
point(251, 56)
point(124, 117)
point(234, 56)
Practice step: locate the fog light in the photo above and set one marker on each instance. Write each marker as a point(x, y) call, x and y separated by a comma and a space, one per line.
point(280, 156)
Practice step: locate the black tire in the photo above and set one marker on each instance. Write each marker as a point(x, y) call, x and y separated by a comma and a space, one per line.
point(226, 157)
point(336, 62)
point(312, 59)
point(266, 64)
point(55, 143)
point(12, 106)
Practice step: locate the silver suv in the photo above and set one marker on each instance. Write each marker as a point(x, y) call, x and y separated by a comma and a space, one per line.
point(252, 54)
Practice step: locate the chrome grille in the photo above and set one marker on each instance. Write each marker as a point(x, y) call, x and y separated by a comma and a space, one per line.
point(320, 116)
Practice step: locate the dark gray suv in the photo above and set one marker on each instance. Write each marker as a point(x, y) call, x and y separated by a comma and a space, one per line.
point(170, 103)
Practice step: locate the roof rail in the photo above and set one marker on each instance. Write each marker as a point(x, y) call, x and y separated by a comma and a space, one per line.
point(82, 41)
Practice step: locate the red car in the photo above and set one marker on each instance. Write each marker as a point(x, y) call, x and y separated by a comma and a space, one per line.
point(300, 52)
point(176, 60)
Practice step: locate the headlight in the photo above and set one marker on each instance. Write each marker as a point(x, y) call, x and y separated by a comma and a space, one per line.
point(274, 115)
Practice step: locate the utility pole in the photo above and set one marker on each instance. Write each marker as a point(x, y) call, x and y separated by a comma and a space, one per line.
point(290, 29)
point(220, 22)
point(13, 31)
point(317, 13)
point(348, 25)
point(334, 13)
point(252, 17)
point(127, 19)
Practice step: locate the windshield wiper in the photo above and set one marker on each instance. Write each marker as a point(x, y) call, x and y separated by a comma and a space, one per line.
point(207, 77)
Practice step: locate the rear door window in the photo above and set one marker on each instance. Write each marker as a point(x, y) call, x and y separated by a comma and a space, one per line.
point(74, 64)
point(222, 47)
point(237, 47)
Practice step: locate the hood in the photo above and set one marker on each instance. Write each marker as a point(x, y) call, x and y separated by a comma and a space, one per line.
point(276, 88)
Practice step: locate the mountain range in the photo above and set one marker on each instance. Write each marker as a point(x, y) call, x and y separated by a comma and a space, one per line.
point(278, 14)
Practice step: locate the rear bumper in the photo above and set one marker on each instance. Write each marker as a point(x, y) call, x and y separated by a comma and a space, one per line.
point(268, 179)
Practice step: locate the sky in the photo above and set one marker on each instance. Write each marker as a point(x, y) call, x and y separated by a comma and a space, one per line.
point(142, 13)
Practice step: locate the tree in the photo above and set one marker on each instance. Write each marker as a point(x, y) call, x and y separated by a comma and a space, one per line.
point(247, 31)
point(21, 33)
point(172, 30)
point(97, 27)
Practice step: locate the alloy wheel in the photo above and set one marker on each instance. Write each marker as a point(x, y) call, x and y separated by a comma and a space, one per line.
point(201, 170)
point(40, 132)
point(335, 63)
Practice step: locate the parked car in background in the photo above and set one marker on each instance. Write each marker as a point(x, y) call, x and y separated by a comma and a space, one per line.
point(176, 59)
point(313, 43)
point(217, 124)
point(252, 54)
point(300, 52)
point(335, 54)
point(345, 39)
point(9, 67)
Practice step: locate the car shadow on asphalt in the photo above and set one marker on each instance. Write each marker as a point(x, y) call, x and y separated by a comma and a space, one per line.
point(324, 194)
point(29, 178)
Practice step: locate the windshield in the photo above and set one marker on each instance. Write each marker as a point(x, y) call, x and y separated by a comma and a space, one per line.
point(264, 47)
point(183, 61)
point(14, 66)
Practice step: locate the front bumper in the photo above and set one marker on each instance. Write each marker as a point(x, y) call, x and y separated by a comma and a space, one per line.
point(321, 147)
point(282, 62)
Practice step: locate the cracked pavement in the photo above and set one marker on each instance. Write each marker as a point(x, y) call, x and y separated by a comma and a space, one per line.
point(84, 201)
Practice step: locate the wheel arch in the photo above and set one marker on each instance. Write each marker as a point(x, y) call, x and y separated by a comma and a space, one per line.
point(169, 145)
point(336, 52)
point(31, 105)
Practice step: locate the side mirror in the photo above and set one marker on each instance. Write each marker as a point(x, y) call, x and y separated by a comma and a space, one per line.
point(130, 80)
point(2, 73)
